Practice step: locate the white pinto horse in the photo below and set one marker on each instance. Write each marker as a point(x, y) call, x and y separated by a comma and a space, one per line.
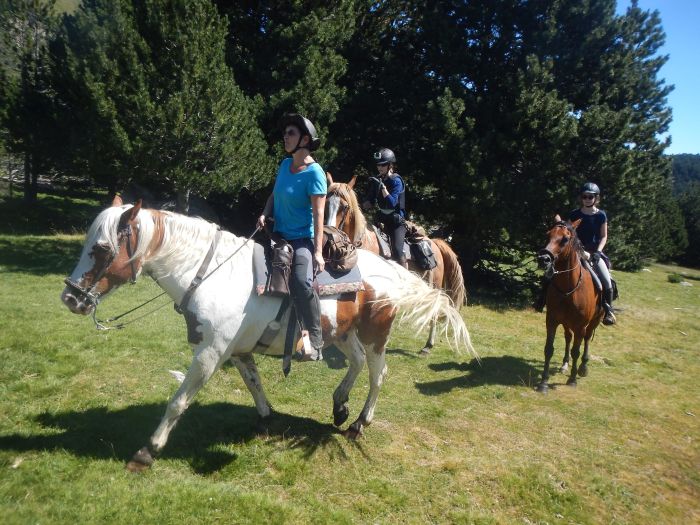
point(225, 316)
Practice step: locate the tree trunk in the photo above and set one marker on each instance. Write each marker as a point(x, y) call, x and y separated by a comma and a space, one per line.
point(29, 180)
point(183, 202)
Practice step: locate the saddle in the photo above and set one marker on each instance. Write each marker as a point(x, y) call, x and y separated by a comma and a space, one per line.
point(416, 247)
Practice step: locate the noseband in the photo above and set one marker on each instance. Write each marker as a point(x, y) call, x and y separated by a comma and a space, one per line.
point(92, 297)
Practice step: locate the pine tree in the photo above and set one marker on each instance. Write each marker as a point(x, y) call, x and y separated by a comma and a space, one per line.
point(149, 98)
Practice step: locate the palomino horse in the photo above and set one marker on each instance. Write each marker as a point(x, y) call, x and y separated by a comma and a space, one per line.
point(225, 316)
point(573, 301)
point(343, 211)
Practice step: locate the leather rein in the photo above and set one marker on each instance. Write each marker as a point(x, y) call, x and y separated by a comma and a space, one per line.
point(560, 272)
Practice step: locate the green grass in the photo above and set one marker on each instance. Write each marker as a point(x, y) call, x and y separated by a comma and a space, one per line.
point(453, 441)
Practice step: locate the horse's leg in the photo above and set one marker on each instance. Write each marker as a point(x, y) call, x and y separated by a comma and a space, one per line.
point(203, 366)
point(583, 369)
point(575, 352)
point(568, 334)
point(249, 372)
point(431, 340)
point(376, 363)
point(352, 349)
point(548, 353)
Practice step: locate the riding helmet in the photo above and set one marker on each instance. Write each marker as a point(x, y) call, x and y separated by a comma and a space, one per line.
point(305, 127)
point(590, 187)
point(385, 156)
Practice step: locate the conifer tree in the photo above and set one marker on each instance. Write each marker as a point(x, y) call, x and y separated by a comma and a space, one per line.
point(149, 98)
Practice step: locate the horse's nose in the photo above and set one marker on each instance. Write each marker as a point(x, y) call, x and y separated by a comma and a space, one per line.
point(74, 304)
point(544, 260)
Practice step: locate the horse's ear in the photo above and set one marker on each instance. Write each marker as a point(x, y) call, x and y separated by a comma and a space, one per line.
point(130, 214)
point(576, 223)
point(557, 218)
point(117, 200)
point(329, 178)
point(352, 182)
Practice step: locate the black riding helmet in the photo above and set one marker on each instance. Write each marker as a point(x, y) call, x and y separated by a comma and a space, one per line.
point(385, 156)
point(305, 127)
point(590, 187)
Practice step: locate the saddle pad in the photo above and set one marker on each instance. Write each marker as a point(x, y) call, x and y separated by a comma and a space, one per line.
point(326, 283)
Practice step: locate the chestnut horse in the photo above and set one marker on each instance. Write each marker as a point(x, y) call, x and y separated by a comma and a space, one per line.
point(343, 211)
point(226, 317)
point(573, 301)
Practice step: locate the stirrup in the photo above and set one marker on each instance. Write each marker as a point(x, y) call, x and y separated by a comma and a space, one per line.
point(308, 352)
point(609, 319)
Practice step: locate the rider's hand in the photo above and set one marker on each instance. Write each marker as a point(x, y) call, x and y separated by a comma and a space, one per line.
point(595, 257)
point(319, 263)
point(375, 180)
point(261, 222)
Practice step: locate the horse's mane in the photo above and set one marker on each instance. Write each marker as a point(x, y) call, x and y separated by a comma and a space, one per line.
point(350, 197)
point(161, 234)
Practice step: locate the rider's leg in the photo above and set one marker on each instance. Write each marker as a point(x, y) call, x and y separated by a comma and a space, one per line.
point(397, 241)
point(602, 270)
point(305, 297)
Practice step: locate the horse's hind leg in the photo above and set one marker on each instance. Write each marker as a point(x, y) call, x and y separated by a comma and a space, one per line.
point(249, 372)
point(431, 339)
point(376, 363)
point(352, 349)
point(568, 334)
point(203, 366)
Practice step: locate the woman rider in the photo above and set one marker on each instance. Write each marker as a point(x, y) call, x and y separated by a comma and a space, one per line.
point(297, 203)
point(593, 234)
point(389, 193)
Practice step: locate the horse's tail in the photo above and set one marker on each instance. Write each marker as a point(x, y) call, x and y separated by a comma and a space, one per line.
point(421, 304)
point(453, 278)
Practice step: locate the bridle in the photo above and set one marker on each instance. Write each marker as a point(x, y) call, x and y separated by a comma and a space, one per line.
point(551, 272)
point(344, 208)
point(91, 297)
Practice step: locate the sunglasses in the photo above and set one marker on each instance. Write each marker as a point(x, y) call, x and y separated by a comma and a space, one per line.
point(587, 196)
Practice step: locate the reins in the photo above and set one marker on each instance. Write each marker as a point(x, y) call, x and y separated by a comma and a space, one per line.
point(196, 282)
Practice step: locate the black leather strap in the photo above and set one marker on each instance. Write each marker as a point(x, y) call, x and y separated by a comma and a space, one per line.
point(200, 275)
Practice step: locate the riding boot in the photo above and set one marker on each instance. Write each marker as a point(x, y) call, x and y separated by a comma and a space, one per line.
point(541, 300)
point(609, 318)
point(310, 313)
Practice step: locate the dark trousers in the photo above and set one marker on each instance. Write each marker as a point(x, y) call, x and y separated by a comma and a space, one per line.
point(395, 228)
point(303, 293)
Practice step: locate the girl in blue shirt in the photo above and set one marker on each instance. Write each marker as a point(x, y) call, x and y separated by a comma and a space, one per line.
point(297, 204)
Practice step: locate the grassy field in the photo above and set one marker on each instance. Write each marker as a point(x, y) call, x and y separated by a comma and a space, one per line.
point(453, 441)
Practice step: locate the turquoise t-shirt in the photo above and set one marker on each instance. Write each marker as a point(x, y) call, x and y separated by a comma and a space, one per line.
point(292, 199)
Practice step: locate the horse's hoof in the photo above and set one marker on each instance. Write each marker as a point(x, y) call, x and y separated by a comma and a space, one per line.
point(564, 369)
point(262, 426)
point(340, 414)
point(353, 433)
point(543, 388)
point(571, 383)
point(140, 461)
point(583, 371)
point(425, 351)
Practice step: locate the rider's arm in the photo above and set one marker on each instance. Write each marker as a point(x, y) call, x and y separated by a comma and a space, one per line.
point(318, 204)
point(267, 211)
point(392, 197)
point(603, 236)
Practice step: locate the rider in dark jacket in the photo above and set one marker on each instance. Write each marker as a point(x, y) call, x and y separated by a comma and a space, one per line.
point(389, 192)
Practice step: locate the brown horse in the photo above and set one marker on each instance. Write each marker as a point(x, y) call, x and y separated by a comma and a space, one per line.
point(343, 211)
point(573, 301)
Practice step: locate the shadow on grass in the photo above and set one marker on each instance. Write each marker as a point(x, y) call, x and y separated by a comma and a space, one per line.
point(51, 213)
point(504, 370)
point(39, 255)
point(100, 433)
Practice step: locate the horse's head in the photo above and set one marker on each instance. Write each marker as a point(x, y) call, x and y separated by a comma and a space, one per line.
point(107, 260)
point(342, 208)
point(561, 238)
